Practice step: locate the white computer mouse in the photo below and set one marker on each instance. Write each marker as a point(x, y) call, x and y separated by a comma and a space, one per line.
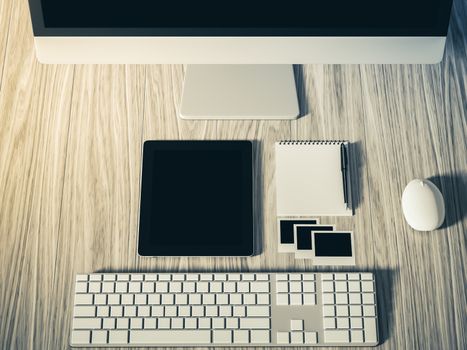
point(423, 205)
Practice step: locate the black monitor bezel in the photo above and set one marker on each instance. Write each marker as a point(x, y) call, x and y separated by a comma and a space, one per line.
point(439, 30)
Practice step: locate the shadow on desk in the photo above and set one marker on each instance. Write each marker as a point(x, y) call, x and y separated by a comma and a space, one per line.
point(454, 190)
point(385, 301)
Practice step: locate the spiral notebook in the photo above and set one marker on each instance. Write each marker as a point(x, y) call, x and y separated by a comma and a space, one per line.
point(310, 178)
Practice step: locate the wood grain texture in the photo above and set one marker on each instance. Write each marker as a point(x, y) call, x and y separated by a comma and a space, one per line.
point(70, 159)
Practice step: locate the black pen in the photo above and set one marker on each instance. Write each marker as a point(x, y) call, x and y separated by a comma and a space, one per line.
point(344, 172)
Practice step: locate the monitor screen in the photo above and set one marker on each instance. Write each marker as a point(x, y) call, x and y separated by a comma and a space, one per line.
point(241, 17)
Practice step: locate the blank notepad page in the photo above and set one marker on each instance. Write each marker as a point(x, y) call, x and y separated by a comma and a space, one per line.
point(309, 179)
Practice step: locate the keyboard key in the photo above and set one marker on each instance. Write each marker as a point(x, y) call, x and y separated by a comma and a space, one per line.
point(259, 287)
point(239, 311)
point(229, 287)
point(370, 330)
point(282, 287)
point(134, 287)
point(282, 299)
point(177, 323)
point(329, 310)
point(355, 310)
point(225, 311)
point(123, 323)
point(148, 287)
point(211, 311)
point(308, 276)
point(308, 287)
point(328, 298)
point(341, 286)
point(340, 276)
point(118, 337)
point(232, 323)
point(108, 323)
point(356, 336)
point(202, 287)
point(241, 336)
point(258, 337)
point(329, 323)
point(136, 323)
point(113, 299)
point(191, 323)
point(366, 276)
point(343, 323)
point(243, 287)
point(181, 299)
point(255, 323)
point(84, 311)
point(163, 323)
point(328, 286)
point(356, 323)
point(218, 323)
point(197, 310)
point(342, 310)
point(144, 311)
point(80, 337)
point(296, 325)
point(95, 277)
point(184, 311)
point(204, 323)
point(336, 336)
point(189, 287)
point(222, 299)
point(354, 286)
point(150, 323)
point(369, 310)
point(157, 311)
point(108, 287)
point(295, 287)
point(262, 299)
point(249, 299)
point(121, 287)
point(341, 298)
point(94, 287)
point(262, 277)
point(103, 311)
point(87, 323)
point(368, 298)
point(367, 286)
point(296, 337)
point(116, 311)
point(235, 299)
point(154, 337)
point(309, 299)
point(253, 311)
point(281, 277)
point(354, 298)
point(295, 276)
point(99, 337)
point(81, 277)
point(327, 277)
point(311, 338)
point(222, 336)
point(170, 311)
point(81, 287)
point(353, 276)
point(295, 299)
point(283, 338)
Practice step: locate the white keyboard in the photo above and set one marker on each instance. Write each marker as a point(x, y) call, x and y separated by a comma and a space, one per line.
point(225, 309)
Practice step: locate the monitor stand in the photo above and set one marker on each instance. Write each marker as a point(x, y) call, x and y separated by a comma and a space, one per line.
point(239, 92)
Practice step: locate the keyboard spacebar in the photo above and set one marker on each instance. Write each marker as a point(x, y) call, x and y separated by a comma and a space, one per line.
point(149, 337)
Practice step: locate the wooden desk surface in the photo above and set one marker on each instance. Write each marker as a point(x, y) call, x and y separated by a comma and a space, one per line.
point(70, 157)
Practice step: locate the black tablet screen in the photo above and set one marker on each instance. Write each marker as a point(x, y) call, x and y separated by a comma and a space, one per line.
point(196, 198)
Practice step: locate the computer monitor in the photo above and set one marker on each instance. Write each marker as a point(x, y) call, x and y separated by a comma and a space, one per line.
point(247, 32)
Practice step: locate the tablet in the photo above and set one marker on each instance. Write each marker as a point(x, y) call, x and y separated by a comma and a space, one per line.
point(196, 199)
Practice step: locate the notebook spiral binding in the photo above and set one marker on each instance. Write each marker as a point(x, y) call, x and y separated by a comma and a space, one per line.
point(316, 142)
